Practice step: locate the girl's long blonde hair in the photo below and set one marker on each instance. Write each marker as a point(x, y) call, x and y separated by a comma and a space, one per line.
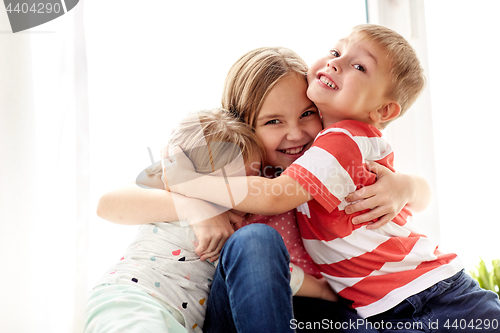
point(253, 76)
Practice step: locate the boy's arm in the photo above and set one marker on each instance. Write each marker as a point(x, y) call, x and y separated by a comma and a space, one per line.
point(256, 195)
point(269, 196)
point(388, 195)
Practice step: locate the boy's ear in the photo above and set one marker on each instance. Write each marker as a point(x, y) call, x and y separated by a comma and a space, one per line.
point(385, 113)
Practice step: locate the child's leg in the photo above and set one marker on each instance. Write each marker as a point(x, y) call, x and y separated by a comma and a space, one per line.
point(120, 308)
point(456, 304)
point(250, 291)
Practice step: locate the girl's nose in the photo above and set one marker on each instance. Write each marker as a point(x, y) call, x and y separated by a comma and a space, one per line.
point(295, 133)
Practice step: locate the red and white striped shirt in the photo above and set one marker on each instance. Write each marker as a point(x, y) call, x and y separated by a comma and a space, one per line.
point(376, 269)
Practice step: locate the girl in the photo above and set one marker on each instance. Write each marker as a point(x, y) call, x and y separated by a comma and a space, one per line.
point(160, 284)
point(266, 88)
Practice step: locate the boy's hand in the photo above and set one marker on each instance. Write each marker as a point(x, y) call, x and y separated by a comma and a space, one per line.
point(385, 198)
point(213, 233)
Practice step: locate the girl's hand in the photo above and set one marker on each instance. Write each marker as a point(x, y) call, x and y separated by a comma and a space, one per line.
point(386, 197)
point(213, 233)
point(327, 292)
point(316, 288)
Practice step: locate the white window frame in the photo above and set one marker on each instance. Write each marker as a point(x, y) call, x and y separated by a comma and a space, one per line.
point(412, 136)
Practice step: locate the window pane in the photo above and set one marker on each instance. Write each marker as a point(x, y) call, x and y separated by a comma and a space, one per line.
point(463, 47)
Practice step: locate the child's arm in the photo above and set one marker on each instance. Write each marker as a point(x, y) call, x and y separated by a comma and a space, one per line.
point(146, 201)
point(317, 288)
point(136, 204)
point(256, 195)
point(132, 204)
point(388, 195)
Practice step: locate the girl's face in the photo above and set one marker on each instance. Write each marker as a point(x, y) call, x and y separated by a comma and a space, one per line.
point(253, 166)
point(288, 121)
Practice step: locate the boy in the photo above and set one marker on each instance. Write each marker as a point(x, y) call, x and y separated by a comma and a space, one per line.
point(393, 275)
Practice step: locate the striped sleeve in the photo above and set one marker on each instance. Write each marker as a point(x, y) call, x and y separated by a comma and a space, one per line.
point(326, 170)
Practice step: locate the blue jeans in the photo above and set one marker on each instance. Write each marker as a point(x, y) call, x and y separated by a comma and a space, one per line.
point(456, 304)
point(251, 291)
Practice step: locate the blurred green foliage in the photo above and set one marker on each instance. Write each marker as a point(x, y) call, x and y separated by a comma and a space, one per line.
point(488, 279)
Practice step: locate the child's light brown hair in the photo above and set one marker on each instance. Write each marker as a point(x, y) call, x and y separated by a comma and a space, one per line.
point(407, 75)
point(215, 126)
point(253, 76)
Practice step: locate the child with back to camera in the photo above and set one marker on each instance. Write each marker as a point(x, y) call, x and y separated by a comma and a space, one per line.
point(161, 284)
point(392, 274)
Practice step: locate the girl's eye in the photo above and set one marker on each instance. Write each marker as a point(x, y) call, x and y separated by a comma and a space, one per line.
point(308, 113)
point(335, 53)
point(359, 68)
point(274, 121)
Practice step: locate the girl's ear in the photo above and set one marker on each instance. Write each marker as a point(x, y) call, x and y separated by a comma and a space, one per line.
point(387, 112)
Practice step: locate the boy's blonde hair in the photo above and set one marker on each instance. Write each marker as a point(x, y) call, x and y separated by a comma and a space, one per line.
point(216, 126)
point(407, 75)
point(253, 76)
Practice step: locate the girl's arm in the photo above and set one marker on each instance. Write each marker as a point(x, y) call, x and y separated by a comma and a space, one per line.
point(136, 204)
point(132, 204)
point(317, 288)
point(388, 195)
point(146, 201)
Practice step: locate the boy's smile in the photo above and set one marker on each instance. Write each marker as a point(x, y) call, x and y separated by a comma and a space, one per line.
point(350, 82)
point(326, 79)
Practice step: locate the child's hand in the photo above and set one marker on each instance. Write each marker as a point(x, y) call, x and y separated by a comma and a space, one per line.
point(213, 233)
point(317, 288)
point(327, 292)
point(386, 197)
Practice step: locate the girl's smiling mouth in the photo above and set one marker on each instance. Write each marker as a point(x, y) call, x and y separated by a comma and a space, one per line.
point(293, 150)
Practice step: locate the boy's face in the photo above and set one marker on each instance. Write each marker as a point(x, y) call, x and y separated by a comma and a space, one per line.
point(350, 82)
